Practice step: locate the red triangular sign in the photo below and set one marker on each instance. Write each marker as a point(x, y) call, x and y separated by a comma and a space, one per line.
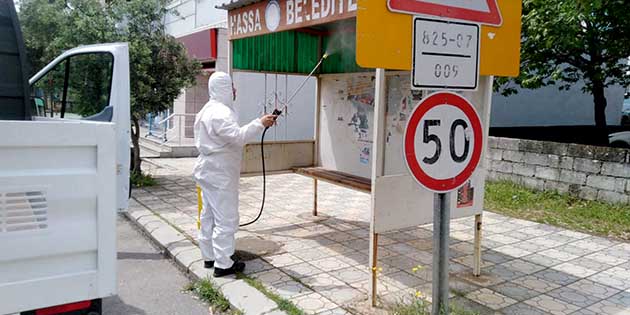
point(478, 11)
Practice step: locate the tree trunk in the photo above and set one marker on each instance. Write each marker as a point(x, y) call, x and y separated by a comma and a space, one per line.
point(600, 105)
point(135, 136)
point(599, 99)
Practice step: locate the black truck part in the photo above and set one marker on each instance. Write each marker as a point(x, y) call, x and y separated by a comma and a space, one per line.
point(14, 88)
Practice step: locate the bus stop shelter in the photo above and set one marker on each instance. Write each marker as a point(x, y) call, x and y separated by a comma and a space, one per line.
point(364, 98)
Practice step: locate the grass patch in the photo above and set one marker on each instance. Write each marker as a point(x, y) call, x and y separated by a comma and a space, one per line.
point(139, 179)
point(206, 291)
point(594, 217)
point(420, 306)
point(283, 304)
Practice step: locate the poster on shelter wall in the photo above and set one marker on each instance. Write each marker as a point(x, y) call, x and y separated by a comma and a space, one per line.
point(466, 195)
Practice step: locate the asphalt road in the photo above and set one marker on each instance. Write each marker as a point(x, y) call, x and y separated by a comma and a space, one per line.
point(148, 283)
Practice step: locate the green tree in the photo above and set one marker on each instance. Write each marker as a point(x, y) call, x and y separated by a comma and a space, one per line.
point(159, 65)
point(565, 41)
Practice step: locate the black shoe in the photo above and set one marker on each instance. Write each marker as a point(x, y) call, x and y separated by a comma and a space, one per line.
point(236, 267)
point(208, 264)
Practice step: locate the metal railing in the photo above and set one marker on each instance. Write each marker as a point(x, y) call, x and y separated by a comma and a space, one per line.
point(170, 129)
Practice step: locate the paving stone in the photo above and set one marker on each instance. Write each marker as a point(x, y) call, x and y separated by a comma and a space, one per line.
point(523, 309)
point(350, 274)
point(246, 298)
point(329, 264)
point(343, 295)
point(313, 253)
point(490, 299)
point(503, 239)
point(573, 297)
point(606, 259)
point(461, 287)
point(512, 251)
point(515, 291)
point(523, 266)
point(577, 251)
point(612, 279)
point(289, 289)
point(302, 270)
point(537, 284)
point(530, 246)
point(594, 289)
point(558, 254)
point(176, 248)
point(610, 307)
point(283, 260)
point(462, 303)
point(556, 277)
point(504, 272)
point(551, 305)
point(589, 244)
point(336, 311)
point(166, 235)
point(271, 277)
point(187, 257)
point(545, 261)
point(584, 311)
point(468, 261)
point(256, 265)
point(495, 257)
point(574, 270)
point(313, 303)
point(404, 279)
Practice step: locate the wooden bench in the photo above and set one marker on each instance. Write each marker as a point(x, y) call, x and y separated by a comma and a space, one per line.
point(346, 180)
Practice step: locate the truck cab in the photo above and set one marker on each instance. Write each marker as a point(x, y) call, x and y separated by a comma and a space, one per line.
point(64, 174)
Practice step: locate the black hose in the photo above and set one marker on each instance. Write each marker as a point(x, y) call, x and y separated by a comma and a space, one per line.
point(262, 157)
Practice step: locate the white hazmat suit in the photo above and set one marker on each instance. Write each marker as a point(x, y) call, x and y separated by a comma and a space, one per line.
point(220, 141)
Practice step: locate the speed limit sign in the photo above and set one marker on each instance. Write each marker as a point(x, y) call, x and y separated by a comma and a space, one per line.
point(443, 142)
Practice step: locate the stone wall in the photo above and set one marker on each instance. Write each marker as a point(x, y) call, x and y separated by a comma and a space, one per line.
point(588, 172)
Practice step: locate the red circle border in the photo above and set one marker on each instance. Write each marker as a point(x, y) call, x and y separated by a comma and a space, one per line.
point(434, 100)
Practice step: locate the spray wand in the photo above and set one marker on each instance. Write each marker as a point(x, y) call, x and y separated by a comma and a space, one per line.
point(308, 77)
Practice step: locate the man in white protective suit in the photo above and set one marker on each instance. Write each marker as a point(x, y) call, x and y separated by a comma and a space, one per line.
point(220, 141)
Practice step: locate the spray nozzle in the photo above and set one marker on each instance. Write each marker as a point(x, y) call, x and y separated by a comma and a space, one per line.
point(325, 56)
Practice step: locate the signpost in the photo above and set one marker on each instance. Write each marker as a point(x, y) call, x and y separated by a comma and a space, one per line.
point(480, 11)
point(453, 45)
point(442, 146)
point(445, 55)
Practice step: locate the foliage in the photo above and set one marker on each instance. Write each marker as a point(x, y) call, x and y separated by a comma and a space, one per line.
point(211, 295)
point(159, 65)
point(139, 179)
point(610, 220)
point(567, 41)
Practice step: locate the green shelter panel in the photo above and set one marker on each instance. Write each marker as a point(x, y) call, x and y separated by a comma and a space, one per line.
point(296, 52)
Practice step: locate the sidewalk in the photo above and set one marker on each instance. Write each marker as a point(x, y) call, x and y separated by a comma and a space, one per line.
point(321, 263)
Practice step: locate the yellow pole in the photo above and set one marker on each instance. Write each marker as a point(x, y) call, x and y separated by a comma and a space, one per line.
point(199, 207)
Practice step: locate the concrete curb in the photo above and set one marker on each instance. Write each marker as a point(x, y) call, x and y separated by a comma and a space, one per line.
point(187, 256)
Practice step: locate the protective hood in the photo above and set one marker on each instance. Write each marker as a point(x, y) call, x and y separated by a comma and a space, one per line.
point(220, 88)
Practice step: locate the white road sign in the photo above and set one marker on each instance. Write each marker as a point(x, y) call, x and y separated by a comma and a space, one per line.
point(445, 55)
point(443, 141)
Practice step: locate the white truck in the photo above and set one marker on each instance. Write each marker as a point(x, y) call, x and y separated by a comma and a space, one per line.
point(64, 174)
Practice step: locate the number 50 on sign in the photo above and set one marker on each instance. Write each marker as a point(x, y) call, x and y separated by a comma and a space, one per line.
point(443, 141)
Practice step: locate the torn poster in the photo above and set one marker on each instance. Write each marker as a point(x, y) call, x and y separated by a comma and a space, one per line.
point(364, 157)
point(465, 195)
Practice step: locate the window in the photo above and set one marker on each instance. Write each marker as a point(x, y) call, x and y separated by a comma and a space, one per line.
point(76, 88)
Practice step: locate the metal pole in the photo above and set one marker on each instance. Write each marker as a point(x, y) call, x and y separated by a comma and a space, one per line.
point(441, 228)
point(179, 129)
